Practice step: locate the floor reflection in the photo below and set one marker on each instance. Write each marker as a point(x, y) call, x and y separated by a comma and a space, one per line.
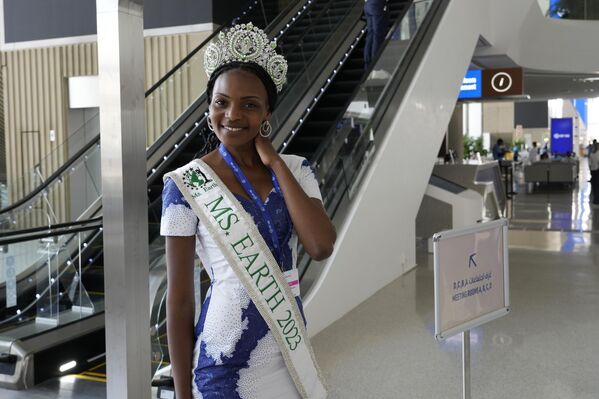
point(555, 207)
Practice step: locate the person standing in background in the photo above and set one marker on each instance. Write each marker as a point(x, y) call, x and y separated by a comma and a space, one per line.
point(533, 154)
point(594, 166)
point(376, 24)
point(499, 150)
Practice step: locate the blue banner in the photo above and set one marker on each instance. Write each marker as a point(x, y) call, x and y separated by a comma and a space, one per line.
point(561, 135)
point(581, 105)
point(472, 85)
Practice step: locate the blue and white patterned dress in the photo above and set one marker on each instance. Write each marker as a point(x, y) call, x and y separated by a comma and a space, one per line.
point(236, 356)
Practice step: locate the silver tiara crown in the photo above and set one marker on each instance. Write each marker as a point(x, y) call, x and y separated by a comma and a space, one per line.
point(246, 43)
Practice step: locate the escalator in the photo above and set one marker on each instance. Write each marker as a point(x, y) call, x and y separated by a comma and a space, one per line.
point(329, 109)
point(75, 259)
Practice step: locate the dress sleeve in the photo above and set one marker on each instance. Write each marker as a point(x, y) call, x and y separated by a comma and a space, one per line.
point(307, 180)
point(178, 218)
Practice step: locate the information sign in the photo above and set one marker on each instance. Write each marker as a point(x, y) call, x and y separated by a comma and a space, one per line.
point(502, 82)
point(471, 277)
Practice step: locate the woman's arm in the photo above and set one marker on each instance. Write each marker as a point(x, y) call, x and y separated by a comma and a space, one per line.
point(180, 310)
point(312, 224)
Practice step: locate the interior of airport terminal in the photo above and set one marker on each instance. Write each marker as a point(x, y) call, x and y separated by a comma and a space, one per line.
point(272, 199)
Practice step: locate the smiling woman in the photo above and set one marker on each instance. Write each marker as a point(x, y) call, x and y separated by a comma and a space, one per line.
point(243, 208)
point(239, 105)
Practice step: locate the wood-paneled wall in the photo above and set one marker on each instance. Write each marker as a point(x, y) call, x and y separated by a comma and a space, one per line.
point(35, 101)
point(165, 104)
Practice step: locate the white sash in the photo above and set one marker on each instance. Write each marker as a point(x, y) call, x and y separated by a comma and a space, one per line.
point(244, 248)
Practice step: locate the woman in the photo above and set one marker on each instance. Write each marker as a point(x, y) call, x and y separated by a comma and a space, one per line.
point(242, 208)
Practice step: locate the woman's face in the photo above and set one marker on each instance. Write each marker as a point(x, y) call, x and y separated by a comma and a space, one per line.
point(239, 105)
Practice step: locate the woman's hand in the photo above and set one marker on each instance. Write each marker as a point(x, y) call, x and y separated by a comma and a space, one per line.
point(268, 154)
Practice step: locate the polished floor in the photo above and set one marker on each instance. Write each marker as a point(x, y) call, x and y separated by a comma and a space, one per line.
point(546, 348)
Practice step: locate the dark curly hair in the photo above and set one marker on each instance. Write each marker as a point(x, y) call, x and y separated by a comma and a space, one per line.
point(271, 89)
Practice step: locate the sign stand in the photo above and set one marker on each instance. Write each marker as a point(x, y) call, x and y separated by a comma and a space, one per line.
point(466, 363)
point(471, 283)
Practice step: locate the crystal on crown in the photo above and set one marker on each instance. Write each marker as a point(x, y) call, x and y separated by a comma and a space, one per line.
point(246, 43)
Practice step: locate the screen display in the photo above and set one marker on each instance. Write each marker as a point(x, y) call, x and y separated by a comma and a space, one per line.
point(561, 135)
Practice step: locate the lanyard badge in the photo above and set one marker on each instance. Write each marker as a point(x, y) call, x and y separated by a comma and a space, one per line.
point(251, 191)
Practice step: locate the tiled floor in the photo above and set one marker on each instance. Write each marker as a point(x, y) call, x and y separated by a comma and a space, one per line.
point(554, 207)
point(545, 348)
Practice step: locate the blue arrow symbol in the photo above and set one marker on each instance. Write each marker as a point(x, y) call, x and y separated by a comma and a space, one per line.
point(471, 261)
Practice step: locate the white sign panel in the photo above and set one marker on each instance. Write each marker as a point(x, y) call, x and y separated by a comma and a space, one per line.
point(471, 277)
point(84, 92)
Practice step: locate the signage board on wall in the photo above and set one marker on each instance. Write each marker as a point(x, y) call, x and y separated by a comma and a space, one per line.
point(471, 277)
point(491, 83)
point(502, 82)
point(562, 130)
point(471, 85)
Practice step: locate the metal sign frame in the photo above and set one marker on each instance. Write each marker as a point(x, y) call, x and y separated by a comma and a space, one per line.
point(482, 318)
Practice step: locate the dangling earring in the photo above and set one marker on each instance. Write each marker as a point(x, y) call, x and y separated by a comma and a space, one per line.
point(265, 129)
point(209, 122)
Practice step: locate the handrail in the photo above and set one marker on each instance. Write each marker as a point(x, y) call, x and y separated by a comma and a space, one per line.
point(49, 228)
point(52, 177)
point(54, 233)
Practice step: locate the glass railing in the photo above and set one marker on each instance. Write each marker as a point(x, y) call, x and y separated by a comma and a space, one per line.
point(44, 166)
point(570, 9)
point(64, 198)
point(47, 278)
point(343, 156)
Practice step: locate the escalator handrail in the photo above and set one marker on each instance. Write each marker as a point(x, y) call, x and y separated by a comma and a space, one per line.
point(56, 232)
point(47, 229)
point(55, 175)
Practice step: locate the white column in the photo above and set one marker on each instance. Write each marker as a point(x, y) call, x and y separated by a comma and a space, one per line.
point(123, 138)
